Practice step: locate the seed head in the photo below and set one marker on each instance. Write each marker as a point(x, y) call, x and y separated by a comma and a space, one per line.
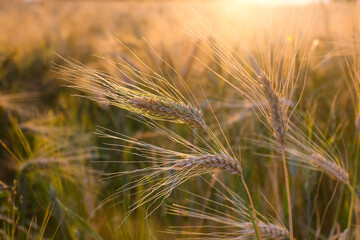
point(274, 106)
point(169, 109)
point(330, 168)
point(210, 161)
point(267, 230)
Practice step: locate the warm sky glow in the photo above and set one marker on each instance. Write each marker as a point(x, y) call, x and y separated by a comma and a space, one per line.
point(278, 2)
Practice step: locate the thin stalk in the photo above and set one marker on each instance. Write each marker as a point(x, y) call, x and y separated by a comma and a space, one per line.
point(250, 206)
point(354, 183)
point(287, 193)
point(337, 210)
point(277, 194)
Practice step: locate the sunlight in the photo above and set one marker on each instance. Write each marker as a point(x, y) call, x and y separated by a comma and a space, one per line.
point(278, 2)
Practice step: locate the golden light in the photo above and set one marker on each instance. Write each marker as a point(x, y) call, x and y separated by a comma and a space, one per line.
point(277, 2)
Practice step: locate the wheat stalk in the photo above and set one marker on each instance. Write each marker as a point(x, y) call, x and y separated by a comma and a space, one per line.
point(314, 153)
point(345, 235)
point(232, 216)
point(277, 121)
point(260, 89)
point(357, 122)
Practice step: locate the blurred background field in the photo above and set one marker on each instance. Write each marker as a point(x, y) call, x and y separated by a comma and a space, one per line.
point(51, 171)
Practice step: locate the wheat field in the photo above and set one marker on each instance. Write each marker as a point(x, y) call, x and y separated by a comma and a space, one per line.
point(179, 120)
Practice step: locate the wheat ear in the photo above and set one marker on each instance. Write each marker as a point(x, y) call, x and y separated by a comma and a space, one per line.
point(210, 161)
point(150, 95)
point(330, 168)
point(169, 109)
point(267, 230)
point(222, 162)
point(277, 121)
point(277, 118)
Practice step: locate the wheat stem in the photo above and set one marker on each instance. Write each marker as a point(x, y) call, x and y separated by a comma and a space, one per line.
point(353, 193)
point(336, 216)
point(277, 121)
point(252, 211)
point(287, 193)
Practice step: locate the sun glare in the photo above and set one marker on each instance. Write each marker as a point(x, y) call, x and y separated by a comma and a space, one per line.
point(277, 2)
